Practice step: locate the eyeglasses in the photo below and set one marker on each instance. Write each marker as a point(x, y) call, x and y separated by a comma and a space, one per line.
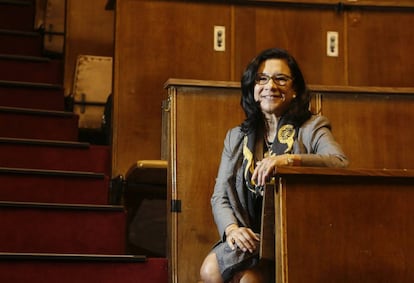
point(280, 79)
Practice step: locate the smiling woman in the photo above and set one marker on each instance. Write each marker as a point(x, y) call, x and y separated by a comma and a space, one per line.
point(279, 130)
point(273, 90)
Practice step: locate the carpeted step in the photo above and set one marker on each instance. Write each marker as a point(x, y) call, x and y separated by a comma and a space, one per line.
point(31, 95)
point(38, 124)
point(54, 155)
point(21, 42)
point(17, 14)
point(53, 186)
point(49, 268)
point(62, 228)
point(31, 69)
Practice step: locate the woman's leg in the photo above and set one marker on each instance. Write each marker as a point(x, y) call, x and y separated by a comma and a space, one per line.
point(257, 274)
point(209, 271)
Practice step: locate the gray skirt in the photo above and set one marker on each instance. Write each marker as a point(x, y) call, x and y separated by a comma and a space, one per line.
point(232, 261)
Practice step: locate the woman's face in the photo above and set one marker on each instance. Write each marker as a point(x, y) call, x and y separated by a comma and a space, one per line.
point(274, 94)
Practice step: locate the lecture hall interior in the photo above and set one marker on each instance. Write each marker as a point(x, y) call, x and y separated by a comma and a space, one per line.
point(112, 120)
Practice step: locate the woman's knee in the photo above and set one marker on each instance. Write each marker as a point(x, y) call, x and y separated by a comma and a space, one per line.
point(258, 274)
point(250, 276)
point(209, 270)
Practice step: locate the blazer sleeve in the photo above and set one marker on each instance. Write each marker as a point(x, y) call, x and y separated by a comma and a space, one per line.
point(317, 145)
point(222, 197)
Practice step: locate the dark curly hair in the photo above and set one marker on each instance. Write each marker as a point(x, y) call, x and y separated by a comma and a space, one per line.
point(298, 111)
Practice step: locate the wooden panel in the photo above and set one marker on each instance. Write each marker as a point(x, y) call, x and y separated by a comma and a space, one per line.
point(374, 130)
point(380, 45)
point(368, 3)
point(301, 31)
point(157, 40)
point(383, 3)
point(200, 119)
point(346, 227)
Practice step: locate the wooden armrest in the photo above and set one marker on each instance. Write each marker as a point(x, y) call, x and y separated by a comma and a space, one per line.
point(160, 164)
point(153, 172)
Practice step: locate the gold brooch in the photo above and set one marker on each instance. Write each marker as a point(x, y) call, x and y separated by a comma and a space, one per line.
point(285, 135)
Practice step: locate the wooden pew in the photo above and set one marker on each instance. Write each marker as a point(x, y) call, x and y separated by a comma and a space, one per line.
point(197, 115)
point(342, 225)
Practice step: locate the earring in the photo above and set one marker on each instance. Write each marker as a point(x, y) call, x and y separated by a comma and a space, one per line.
point(294, 96)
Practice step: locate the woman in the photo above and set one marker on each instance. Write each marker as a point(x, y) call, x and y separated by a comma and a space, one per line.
point(279, 130)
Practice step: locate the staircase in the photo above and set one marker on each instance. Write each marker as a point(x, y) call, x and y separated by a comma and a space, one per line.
point(58, 223)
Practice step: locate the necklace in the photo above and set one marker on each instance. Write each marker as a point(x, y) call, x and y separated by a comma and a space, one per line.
point(269, 147)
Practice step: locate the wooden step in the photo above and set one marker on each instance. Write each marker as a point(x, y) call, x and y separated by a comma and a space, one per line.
point(31, 69)
point(81, 268)
point(54, 155)
point(17, 42)
point(31, 95)
point(72, 257)
point(62, 228)
point(38, 124)
point(53, 186)
point(17, 14)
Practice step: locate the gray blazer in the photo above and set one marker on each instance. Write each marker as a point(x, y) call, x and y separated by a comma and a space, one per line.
point(315, 144)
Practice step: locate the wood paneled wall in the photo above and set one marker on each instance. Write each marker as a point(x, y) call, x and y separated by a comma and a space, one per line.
point(157, 40)
point(378, 44)
point(342, 4)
